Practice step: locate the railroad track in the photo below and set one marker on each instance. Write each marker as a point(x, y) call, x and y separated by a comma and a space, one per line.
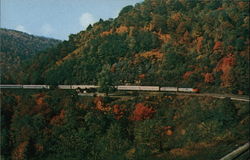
point(241, 153)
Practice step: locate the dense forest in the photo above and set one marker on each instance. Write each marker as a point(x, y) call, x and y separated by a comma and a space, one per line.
point(185, 43)
point(60, 125)
point(17, 47)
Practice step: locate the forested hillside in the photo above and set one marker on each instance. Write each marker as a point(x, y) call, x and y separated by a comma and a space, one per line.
point(16, 47)
point(189, 43)
point(60, 125)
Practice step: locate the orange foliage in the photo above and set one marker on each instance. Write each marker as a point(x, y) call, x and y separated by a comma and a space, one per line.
point(199, 43)
point(142, 112)
point(176, 16)
point(19, 152)
point(151, 54)
point(220, 8)
point(187, 75)
point(112, 69)
point(217, 45)
point(168, 130)
point(98, 102)
point(40, 99)
point(121, 29)
point(58, 119)
point(105, 33)
point(164, 37)
point(208, 78)
point(225, 65)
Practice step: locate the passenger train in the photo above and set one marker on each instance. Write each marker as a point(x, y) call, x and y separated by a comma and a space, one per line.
point(93, 88)
point(16, 86)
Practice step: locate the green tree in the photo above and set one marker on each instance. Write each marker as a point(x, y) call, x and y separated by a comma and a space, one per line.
point(105, 80)
point(114, 144)
point(148, 134)
point(126, 10)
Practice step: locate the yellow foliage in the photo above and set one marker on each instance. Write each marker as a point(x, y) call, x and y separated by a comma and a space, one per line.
point(130, 153)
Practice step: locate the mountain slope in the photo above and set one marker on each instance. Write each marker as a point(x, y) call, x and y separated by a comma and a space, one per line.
point(202, 44)
point(18, 46)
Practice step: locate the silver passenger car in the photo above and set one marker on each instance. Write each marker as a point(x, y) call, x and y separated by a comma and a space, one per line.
point(36, 86)
point(169, 89)
point(10, 86)
point(138, 88)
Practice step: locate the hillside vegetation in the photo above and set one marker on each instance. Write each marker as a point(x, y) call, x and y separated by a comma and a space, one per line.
point(189, 43)
point(58, 124)
point(17, 47)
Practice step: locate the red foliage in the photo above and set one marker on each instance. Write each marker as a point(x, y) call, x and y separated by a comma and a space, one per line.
point(142, 112)
point(41, 106)
point(217, 45)
point(39, 147)
point(58, 119)
point(99, 104)
point(141, 76)
point(118, 111)
point(40, 99)
point(187, 75)
point(209, 78)
point(19, 152)
point(225, 65)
